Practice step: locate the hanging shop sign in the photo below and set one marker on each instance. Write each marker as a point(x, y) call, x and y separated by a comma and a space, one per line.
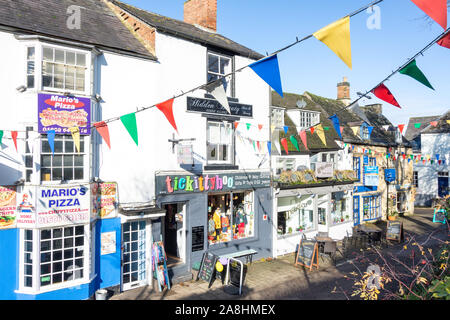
point(185, 154)
point(173, 184)
point(324, 169)
point(214, 107)
point(371, 176)
point(389, 175)
point(60, 113)
point(108, 200)
point(8, 206)
point(57, 206)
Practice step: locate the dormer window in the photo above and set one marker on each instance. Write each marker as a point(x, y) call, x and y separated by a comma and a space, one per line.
point(309, 119)
point(218, 66)
point(277, 117)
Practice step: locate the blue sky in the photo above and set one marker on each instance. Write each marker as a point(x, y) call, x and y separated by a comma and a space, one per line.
point(266, 26)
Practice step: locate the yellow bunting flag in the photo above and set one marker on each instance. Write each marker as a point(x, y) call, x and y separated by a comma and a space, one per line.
point(76, 137)
point(355, 130)
point(321, 134)
point(337, 37)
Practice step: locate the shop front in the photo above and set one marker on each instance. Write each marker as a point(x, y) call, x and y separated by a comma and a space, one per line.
point(220, 212)
point(308, 211)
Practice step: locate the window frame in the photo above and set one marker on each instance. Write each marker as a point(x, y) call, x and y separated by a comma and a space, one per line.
point(374, 207)
point(230, 90)
point(231, 146)
point(416, 179)
point(27, 47)
point(36, 287)
point(278, 120)
point(357, 170)
point(308, 118)
point(281, 164)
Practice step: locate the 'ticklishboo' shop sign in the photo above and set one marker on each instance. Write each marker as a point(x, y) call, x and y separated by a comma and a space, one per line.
point(172, 184)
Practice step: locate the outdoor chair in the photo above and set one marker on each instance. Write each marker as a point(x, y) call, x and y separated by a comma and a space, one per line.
point(330, 248)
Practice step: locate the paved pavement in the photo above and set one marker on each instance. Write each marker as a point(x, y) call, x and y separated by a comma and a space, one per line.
point(280, 279)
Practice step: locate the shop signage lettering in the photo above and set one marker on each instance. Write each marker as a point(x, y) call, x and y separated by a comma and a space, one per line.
point(170, 184)
point(63, 193)
point(213, 106)
point(324, 169)
point(60, 113)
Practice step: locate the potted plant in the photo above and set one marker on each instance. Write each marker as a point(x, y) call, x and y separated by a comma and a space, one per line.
point(392, 215)
point(290, 230)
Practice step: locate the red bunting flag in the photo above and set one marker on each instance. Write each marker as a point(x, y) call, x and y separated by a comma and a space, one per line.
point(401, 127)
point(434, 123)
point(236, 125)
point(342, 130)
point(260, 126)
point(439, 161)
point(312, 130)
point(14, 137)
point(436, 9)
point(445, 41)
point(102, 129)
point(167, 108)
point(285, 145)
point(383, 93)
point(302, 135)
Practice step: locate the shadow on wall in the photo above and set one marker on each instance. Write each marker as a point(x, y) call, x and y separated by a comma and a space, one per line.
point(8, 175)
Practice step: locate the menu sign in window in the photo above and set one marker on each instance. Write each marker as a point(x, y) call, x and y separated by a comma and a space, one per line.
point(198, 238)
point(8, 206)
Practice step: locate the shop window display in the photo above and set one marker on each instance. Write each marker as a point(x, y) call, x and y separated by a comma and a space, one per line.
point(230, 217)
point(339, 207)
point(298, 217)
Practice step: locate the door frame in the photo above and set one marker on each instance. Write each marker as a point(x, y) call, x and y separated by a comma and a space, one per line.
point(357, 221)
point(184, 254)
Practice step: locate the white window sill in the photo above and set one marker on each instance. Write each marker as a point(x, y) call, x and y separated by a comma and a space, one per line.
point(55, 287)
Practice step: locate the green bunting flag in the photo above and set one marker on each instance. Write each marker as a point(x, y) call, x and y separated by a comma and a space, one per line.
point(414, 72)
point(1, 136)
point(326, 128)
point(248, 126)
point(129, 121)
point(417, 125)
point(295, 143)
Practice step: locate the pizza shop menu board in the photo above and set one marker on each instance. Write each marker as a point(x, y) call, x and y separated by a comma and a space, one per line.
point(307, 252)
point(208, 267)
point(394, 231)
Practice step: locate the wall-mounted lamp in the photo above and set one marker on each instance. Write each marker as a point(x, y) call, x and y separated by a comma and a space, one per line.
point(21, 88)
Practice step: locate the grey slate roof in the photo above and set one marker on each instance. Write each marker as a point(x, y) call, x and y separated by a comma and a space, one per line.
point(187, 31)
point(442, 125)
point(99, 26)
point(412, 132)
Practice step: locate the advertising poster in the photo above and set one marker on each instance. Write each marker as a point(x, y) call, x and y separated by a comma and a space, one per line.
point(26, 214)
point(371, 176)
point(108, 243)
point(8, 207)
point(58, 206)
point(108, 200)
point(60, 113)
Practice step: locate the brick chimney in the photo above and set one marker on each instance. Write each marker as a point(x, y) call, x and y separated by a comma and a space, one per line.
point(343, 91)
point(202, 13)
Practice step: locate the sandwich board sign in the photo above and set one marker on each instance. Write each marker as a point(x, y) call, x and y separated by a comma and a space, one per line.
point(394, 231)
point(307, 252)
point(208, 268)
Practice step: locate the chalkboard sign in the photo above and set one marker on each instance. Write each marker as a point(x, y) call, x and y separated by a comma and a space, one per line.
point(306, 253)
point(440, 216)
point(394, 231)
point(198, 235)
point(208, 267)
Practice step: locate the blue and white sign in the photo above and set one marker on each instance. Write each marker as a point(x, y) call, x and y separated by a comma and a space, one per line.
point(389, 175)
point(371, 176)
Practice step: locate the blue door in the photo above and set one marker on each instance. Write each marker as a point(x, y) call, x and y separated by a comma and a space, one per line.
point(356, 210)
point(442, 186)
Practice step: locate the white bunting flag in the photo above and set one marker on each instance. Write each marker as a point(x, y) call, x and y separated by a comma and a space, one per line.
point(217, 90)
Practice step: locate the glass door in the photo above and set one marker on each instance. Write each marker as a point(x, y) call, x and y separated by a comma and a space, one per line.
point(134, 254)
point(356, 210)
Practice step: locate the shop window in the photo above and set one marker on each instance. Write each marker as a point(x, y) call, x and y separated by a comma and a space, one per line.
point(357, 167)
point(372, 161)
point(339, 207)
point(416, 179)
point(220, 143)
point(219, 66)
point(63, 69)
point(299, 218)
point(371, 207)
point(230, 217)
point(30, 67)
point(59, 257)
point(66, 163)
point(285, 164)
point(322, 204)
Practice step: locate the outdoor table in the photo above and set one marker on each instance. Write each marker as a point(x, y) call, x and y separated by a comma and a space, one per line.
point(321, 242)
point(372, 231)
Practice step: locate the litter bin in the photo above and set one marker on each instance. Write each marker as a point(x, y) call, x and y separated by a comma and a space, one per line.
point(101, 294)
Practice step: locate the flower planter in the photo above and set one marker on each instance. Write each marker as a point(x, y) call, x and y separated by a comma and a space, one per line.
point(392, 218)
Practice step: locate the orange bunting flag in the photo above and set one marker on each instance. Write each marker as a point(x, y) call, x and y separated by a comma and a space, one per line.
point(14, 137)
point(302, 135)
point(236, 125)
point(401, 127)
point(285, 145)
point(312, 130)
point(167, 108)
point(260, 126)
point(102, 129)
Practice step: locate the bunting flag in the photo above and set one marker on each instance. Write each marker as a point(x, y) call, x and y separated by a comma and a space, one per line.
point(285, 145)
point(417, 125)
point(414, 72)
point(75, 131)
point(129, 121)
point(248, 126)
point(445, 41)
point(326, 128)
point(236, 125)
point(312, 130)
point(448, 121)
point(51, 140)
point(268, 70)
point(321, 134)
point(386, 127)
point(217, 90)
point(286, 128)
point(401, 127)
point(14, 137)
point(260, 126)
point(336, 36)
point(1, 137)
point(434, 123)
point(272, 127)
point(437, 156)
point(302, 135)
point(294, 142)
point(165, 107)
point(102, 129)
point(342, 131)
point(383, 93)
point(355, 130)
point(335, 120)
point(269, 147)
point(435, 9)
point(370, 129)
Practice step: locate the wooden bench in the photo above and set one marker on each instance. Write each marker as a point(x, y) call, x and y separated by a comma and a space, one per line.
point(248, 254)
